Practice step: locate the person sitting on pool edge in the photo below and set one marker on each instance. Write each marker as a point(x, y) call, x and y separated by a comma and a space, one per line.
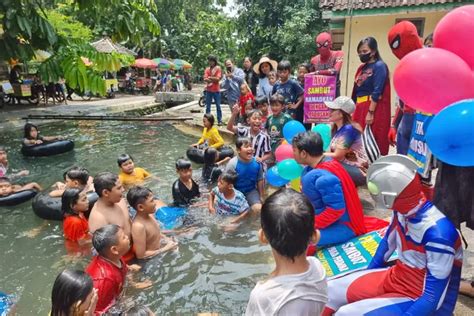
point(7, 188)
point(32, 136)
point(324, 181)
point(249, 173)
point(129, 174)
point(184, 189)
point(111, 207)
point(108, 270)
point(210, 134)
point(76, 177)
point(298, 284)
point(148, 241)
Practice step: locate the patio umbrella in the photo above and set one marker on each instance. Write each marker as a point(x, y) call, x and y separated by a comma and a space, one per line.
point(182, 64)
point(164, 64)
point(144, 63)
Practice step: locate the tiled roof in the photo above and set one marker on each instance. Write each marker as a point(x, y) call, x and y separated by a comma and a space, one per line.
point(338, 5)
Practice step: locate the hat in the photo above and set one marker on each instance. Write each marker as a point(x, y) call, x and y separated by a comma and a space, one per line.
point(342, 103)
point(262, 60)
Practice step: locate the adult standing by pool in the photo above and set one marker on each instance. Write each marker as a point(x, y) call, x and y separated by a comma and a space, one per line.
point(250, 76)
point(262, 68)
point(233, 78)
point(371, 93)
point(328, 62)
point(212, 77)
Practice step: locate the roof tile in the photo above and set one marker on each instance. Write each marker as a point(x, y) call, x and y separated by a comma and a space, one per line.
point(338, 5)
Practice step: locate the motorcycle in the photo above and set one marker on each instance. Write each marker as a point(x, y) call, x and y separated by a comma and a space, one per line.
point(202, 99)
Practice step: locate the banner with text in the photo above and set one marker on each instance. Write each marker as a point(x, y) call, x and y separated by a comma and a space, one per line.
point(317, 89)
point(418, 149)
point(351, 256)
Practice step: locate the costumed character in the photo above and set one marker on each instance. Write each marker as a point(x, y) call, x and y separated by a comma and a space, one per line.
point(425, 278)
point(328, 62)
point(338, 210)
point(403, 38)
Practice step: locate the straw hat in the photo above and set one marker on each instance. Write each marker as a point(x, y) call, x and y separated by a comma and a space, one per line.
point(262, 60)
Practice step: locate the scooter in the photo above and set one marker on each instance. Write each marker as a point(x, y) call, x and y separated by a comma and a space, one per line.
point(202, 99)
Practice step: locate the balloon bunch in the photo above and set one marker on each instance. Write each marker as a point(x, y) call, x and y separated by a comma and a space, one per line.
point(434, 80)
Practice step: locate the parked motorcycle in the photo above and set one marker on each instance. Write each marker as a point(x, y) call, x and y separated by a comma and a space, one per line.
point(202, 99)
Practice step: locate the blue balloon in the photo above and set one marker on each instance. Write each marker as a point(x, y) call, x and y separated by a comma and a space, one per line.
point(169, 216)
point(274, 178)
point(325, 131)
point(450, 135)
point(289, 169)
point(292, 128)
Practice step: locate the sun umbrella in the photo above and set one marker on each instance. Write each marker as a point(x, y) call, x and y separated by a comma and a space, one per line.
point(164, 64)
point(144, 63)
point(182, 64)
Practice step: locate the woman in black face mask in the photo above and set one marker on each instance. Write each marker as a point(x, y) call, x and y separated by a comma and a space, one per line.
point(371, 93)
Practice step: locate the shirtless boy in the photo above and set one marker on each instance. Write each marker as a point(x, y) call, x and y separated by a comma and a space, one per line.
point(147, 237)
point(111, 207)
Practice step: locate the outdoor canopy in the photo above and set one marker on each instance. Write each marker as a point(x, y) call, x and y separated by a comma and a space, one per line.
point(164, 64)
point(144, 63)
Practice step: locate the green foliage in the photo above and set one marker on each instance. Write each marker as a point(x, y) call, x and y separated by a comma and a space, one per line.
point(68, 27)
point(282, 29)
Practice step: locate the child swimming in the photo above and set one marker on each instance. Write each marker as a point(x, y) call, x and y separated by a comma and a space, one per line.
point(4, 166)
point(7, 188)
point(75, 203)
point(32, 136)
point(184, 189)
point(129, 174)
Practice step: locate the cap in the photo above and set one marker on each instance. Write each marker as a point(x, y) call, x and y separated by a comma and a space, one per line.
point(342, 103)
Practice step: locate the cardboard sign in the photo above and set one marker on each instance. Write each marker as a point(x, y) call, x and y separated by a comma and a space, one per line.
point(317, 89)
point(353, 255)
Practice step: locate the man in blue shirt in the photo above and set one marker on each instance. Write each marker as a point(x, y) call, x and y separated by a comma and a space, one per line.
point(233, 78)
point(290, 90)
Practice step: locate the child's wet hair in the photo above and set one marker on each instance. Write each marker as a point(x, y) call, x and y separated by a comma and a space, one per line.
point(123, 158)
point(210, 118)
point(183, 164)
point(261, 100)
point(105, 237)
point(242, 141)
point(253, 112)
point(4, 180)
point(229, 176)
point(27, 130)
point(138, 195)
point(284, 65)
point(3, 149)
point(104, 181)
point(210, 155)
point(139, 310)
point(310, 142)
point(69, 199)
point(70, 288)
point(277, 99)
point(79, 174)
point(287, 220)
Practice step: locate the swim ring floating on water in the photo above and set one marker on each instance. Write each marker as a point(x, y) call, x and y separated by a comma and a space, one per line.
point(17, 197)
point(197, 155)
point(48, 148)
point(47, 207)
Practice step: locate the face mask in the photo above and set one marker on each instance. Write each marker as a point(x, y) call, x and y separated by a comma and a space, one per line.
point(364, 57)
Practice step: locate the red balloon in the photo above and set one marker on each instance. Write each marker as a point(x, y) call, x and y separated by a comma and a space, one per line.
point(430, 79)
point(284, 151)
point(455, 32)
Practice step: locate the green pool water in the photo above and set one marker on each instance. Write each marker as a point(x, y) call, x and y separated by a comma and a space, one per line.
point(213, 271)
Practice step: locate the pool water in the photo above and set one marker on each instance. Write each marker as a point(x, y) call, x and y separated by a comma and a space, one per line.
point(212, 271)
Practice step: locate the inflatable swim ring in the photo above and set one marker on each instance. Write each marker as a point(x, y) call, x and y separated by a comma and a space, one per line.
point(197, 155)
point(47, 207)
point(17, 197)
point(169, 216)
point(210, 174)
point(48, 149)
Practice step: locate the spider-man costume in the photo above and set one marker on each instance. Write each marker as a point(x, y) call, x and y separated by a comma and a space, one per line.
point(425, 279)
point(403, 39)
point(328, 62)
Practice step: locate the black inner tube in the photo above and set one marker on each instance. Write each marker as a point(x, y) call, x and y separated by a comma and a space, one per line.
point(17, 197)
point(48, 148)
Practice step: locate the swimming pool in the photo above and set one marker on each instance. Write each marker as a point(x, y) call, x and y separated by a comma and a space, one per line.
point(213, 271)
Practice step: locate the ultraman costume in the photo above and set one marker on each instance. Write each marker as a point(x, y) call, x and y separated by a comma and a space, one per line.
point(425, 278)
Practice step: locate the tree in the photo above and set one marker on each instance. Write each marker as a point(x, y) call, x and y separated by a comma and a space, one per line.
point(282, 29)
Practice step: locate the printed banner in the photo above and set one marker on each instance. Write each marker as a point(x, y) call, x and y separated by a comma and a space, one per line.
point(351, 256)
point(418, 149)
point(317, 89)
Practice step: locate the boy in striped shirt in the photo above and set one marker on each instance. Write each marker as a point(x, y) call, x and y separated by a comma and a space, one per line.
point(226, 200)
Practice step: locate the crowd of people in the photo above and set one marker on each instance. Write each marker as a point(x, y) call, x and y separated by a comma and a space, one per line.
point(263, 98)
